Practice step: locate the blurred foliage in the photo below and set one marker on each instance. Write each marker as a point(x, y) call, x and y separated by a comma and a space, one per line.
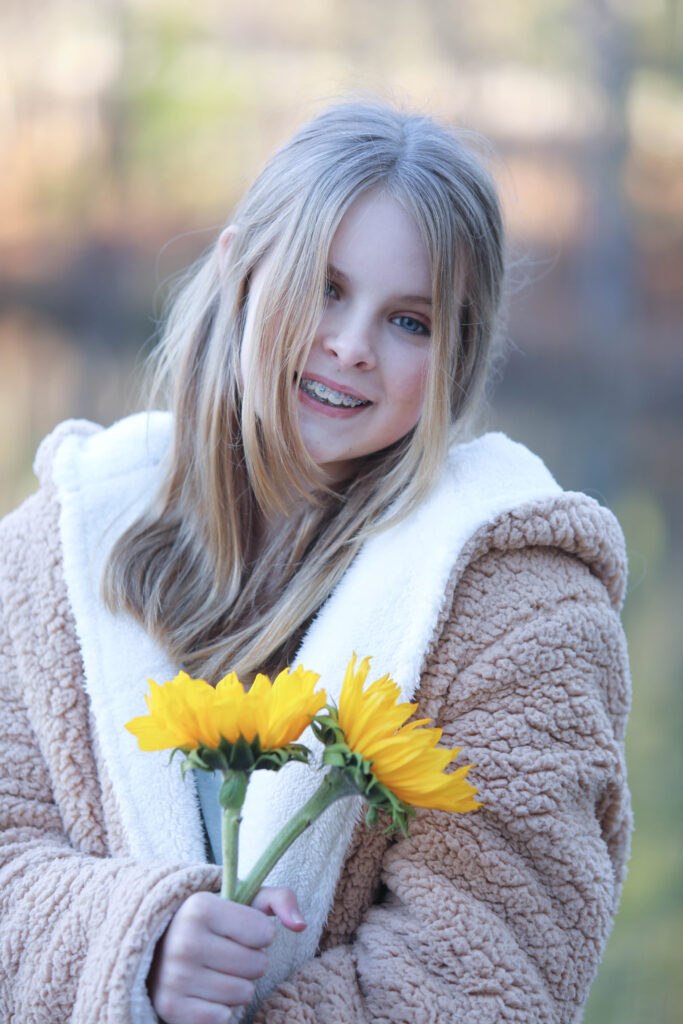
point(641, 977)
point(129, 128)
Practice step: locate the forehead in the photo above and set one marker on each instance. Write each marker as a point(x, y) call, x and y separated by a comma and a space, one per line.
point(378, 234)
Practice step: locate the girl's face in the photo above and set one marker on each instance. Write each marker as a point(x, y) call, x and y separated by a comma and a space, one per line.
point(364, 382)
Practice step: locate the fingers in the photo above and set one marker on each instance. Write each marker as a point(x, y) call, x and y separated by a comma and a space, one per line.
point(248, 926)
point(208, 959)
point(280, 903)
point(188, 1010)
point(194, 982)
point(189, 951)
point(212, 953)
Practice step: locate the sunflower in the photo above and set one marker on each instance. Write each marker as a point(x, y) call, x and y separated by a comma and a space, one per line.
point(395, 764)
point(233, 731)
point(226, 726)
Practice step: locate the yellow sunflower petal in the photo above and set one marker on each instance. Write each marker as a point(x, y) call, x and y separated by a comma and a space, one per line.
point(229, 685)
point(226, 715)
point(177, 714)
point(255, 711)
point(151, 735)
point(189, 713)
point(374, 710)
point(404, 755)
point(293, 703)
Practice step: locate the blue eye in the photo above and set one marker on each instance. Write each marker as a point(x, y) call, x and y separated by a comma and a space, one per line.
point(330, 290)
point(413, 326)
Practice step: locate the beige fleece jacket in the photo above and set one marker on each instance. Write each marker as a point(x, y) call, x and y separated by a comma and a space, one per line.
point(502, 914)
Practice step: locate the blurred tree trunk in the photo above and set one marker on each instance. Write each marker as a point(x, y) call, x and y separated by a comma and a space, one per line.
point(607, 292)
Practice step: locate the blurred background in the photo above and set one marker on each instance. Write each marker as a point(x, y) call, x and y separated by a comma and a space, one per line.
point(129, 128)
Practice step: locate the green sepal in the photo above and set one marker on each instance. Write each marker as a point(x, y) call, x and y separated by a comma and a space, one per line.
point(327, 730)
point(240, 756)
point(273, 760)
point(338, 754)
point(335, 758)
point(233, 790)
point(194, 759)
point(390, 805)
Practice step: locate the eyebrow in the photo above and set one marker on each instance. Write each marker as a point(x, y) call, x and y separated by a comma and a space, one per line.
point(341, 276)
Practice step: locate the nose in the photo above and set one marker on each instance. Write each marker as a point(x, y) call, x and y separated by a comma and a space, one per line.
point(350, 341)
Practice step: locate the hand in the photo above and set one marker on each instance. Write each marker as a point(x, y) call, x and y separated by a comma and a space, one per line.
point(212, 952)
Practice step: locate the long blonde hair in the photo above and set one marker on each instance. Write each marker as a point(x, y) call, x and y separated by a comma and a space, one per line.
point(191, 569)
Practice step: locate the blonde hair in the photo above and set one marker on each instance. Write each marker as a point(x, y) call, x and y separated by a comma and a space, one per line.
point(191, 569)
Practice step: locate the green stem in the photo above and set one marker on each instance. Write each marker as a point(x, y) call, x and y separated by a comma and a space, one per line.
point(231, 798)
point(334, 786)
point(230, 844)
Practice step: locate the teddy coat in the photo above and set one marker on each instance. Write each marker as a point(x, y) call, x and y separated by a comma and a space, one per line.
point(495, 606)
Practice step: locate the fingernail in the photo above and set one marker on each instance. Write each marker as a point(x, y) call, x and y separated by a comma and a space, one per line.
point(297, 917)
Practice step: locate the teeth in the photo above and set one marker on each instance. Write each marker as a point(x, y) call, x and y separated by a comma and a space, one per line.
point(328, 395)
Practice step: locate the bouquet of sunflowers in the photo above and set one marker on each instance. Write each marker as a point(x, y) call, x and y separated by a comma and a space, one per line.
point(371, 747)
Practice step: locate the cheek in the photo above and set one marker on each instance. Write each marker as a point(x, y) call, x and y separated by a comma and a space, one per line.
point(411, 387)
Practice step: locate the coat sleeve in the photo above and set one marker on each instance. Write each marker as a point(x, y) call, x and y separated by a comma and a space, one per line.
point(503, 913)
point(77, 926)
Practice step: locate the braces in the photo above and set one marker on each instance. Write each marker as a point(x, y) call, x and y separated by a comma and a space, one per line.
point(321, 391)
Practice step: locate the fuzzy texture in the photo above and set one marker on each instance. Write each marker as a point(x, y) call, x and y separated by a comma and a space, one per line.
point(501, 915)
point(498, 915)
point(75, 921)
point(104, 479)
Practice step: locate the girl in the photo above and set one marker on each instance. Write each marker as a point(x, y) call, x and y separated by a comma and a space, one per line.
point(310, 494)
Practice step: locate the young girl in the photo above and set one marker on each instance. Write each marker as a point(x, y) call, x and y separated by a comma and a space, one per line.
point(308, 495)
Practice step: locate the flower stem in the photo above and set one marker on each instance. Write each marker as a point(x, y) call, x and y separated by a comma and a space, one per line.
point(230, 844)
point(231, 798)
point(334, 786)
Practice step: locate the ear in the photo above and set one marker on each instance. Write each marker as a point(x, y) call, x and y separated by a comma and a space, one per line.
point(225, 243)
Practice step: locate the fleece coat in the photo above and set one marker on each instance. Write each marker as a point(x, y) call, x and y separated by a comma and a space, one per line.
point(510, 641)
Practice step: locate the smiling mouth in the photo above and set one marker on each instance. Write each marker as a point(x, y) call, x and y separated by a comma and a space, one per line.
point(327, 396)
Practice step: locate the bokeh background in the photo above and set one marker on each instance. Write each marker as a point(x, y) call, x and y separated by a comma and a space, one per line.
point(128, 129)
